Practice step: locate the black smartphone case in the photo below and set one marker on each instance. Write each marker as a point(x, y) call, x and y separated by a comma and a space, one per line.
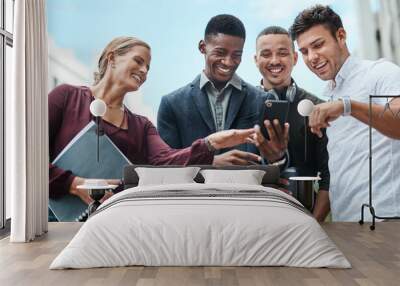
point(273, 109)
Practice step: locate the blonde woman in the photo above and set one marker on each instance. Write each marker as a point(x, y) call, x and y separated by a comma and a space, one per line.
point(122, 68)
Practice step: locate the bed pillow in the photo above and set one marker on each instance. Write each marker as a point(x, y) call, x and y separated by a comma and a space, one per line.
point(166, 176)
point(271, 177)
point(248, 177)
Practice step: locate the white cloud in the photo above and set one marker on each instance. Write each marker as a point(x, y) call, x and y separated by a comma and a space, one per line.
point(134, 102)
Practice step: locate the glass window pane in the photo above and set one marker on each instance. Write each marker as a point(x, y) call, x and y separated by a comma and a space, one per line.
point(8, 74)
point(1, 14)
point(10, 15)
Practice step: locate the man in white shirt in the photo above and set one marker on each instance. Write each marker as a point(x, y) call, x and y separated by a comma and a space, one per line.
point(321, 39)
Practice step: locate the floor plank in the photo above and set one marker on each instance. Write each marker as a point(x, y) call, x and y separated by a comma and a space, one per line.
point(374, 255)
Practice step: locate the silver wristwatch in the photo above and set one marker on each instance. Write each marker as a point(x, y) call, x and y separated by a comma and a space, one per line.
point(346, 105)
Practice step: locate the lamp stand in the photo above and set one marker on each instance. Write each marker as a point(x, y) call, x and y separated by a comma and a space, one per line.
point(370, 205)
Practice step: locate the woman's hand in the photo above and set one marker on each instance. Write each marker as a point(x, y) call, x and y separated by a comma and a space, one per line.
point(230, 138)
point(109, 193)
point(236, 157)
point(83, 194)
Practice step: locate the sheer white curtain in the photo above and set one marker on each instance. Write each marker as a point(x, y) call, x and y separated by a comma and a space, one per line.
point(27, 124)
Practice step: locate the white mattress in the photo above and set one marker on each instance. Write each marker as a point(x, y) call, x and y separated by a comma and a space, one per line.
point(219, 225)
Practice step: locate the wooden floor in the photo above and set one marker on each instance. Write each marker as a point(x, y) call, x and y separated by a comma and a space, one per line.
point(374, 255)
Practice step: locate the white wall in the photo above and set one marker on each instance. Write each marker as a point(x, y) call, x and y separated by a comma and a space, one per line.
point(379, 17)
point(64, 67)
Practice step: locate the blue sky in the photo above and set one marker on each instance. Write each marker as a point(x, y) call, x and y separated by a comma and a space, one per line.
point(173, 29)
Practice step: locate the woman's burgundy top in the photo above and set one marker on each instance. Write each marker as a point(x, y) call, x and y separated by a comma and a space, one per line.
point(141, 143)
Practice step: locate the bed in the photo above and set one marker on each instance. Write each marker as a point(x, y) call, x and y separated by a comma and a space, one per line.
point(201, 224)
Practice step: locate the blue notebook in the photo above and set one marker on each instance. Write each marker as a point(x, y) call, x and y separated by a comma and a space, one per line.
point(80, 157)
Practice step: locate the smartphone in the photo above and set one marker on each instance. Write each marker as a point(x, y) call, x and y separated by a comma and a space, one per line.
point(273, 109)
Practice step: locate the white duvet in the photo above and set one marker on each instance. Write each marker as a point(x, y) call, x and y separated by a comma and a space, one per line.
point(221, 225)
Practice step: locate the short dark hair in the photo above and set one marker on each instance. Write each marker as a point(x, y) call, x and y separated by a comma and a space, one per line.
point(225, 24)
point(275, 30)
point(316, 15)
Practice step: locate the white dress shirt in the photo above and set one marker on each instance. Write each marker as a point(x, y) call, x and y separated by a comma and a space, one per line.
point(348, 144)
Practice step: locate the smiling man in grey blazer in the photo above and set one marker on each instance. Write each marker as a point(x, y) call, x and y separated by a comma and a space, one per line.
point(217, 99)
